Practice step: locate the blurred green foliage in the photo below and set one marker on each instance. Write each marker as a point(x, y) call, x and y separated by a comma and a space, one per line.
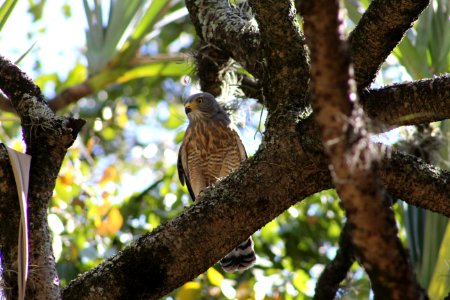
point(119, 179)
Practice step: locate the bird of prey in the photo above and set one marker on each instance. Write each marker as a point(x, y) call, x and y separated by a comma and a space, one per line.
point(211, 149)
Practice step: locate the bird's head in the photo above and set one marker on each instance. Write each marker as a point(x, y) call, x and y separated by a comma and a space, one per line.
point(201, 105)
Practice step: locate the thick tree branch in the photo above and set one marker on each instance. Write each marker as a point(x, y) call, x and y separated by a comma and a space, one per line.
point(380, 29)
point(47, 138)
point(285, 56)
point(231, 30)
point(409, 103)
point(186, 246)
point(352, 155)
point(416, 182)
point(396, 169)
point(211, 65)
point(336, 271)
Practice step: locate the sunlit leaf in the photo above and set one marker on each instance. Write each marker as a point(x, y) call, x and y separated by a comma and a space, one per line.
point(300, 280)
point(154, 220)
point(409, 57)
point(102, 39)
point(440, 283)
point(189, 291)
point(155, 69)
point(112, 223)
point(18, 146)
point(354, 10)
point(179, 137)
point(67, 178)
point(105, 207)
point(45, 79)
point(63, 191)
point(423, 29)
point(145, 26)
point(434, 230)
point(121, 115)
point(37, 8)
point(109, 174)
point(176, 118)
point(67, 10)
point(77, 75)
point(5, 11)
point(214, 277)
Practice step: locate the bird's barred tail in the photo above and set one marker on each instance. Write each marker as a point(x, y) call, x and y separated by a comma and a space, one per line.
point(241, 258)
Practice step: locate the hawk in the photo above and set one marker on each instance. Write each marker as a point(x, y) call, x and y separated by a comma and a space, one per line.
point(211, 149)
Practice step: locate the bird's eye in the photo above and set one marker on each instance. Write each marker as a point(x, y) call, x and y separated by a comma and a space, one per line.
point(200, 100)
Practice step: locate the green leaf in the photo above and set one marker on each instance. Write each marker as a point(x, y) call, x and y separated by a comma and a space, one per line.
point(43, 80)
point(145, 26)
point(409, 57)
point(175, 119)
point(26, 53)
point(354, 10)
point(423, 30)
point(189, 291)
point(76, 76)
point(440, 282)
point(435, 225)
point(179, 136)
point(103, 39)
point(155, 69)
point(214, 276)
point(440, 38)
point(108, 133)
point(37, 8)
point(300, 280)
point(5, 11)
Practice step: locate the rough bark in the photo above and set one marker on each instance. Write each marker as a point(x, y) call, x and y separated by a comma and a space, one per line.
point(396, 169)
point(409, 103)
point(287, 69)
point(47, 138)
point(211, 65)
point(232, 30)
point(380, 29)
point(353, 156)
point(425, 185)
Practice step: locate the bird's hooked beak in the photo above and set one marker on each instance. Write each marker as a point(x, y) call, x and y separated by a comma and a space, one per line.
point(187, 108)
point(190, 106)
